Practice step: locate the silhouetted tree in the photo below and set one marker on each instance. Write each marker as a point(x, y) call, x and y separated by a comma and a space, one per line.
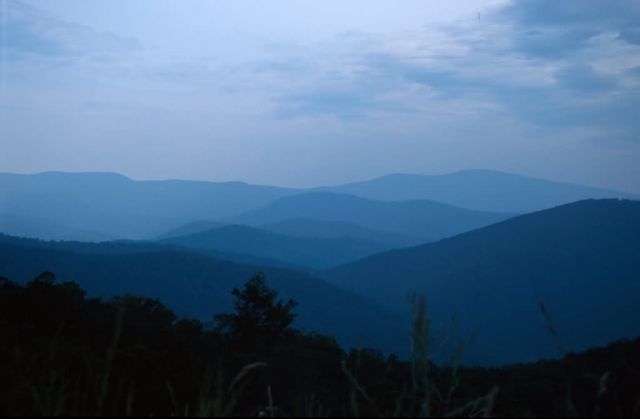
point(259, 321)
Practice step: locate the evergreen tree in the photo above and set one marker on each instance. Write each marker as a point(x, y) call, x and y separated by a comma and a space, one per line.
point(260, 320)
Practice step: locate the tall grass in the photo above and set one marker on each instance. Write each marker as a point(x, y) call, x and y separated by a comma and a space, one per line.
point(45, 386)
point(428, 394)
point(52, 388)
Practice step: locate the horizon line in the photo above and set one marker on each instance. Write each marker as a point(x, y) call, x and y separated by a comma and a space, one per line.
point(324, 186)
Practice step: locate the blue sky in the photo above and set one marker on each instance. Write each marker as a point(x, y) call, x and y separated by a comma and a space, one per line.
point(317, 92)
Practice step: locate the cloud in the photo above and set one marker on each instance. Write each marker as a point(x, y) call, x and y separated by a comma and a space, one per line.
point(634, 72)
point(527, 82)
point(554, 64)
point(555, 28)
point(349, 104)
point(583, 78)
point(28, 32)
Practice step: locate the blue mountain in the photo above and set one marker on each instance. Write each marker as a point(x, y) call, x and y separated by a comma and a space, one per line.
point(484, 190)
point(422, 219)
point(114, 206)
point(582, 260)
point(306, 252)
point(197, 285)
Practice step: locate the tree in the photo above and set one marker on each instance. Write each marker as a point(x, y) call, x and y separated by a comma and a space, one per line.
point(260, 320)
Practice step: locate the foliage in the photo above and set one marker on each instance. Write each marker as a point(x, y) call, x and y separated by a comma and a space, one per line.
point(259, 321)
point(62, 353)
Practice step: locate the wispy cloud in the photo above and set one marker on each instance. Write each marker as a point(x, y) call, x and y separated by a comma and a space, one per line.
point(569, 63)
point(28, 32)
point(551, 28)
point(525, 82)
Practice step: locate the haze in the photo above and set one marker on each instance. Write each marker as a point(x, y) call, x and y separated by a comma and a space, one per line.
point(303, 94)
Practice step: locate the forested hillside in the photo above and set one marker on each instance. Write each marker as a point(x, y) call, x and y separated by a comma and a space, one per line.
point(581, 260)
point(197, 285)
point(65, 354)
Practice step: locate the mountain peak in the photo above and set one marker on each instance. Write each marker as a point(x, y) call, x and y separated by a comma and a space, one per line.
point(478, 189)
point(581, 259)
point(83, 175)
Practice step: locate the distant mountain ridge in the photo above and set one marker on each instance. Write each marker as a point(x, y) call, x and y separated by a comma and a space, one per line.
point(581, 259)
point(100, 206)
point(427, 220)
point(191, 228)
point(135, 246)
point(196, 285)
point(39, 227)
point(303, 252)
point(115, 206)
point(484, 190)
point(309, 227)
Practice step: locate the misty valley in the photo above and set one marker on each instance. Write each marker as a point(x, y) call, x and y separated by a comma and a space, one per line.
point(467, 294)
point(353, 208)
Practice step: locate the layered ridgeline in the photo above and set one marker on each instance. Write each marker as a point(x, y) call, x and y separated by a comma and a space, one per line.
point(304, 252)
point(328, 229)
point(190, 228)
point(198, 286)
point(484, 190)
point(582, 260)
point(421, 219)
point(107, 206)
point(100, 206)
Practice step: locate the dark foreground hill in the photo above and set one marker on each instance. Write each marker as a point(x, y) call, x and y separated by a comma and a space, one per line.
point(484, 190)
point(582, 260)
point(198, 285)
point(64, 354)
point(424, 219)
point(307, 252)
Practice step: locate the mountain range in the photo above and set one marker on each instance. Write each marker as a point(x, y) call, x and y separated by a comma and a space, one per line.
point(307, 252)
point(509, 257)
point(424, 219)
point(581, 260)
point(108, 206)
point(196, 285)
point(484, 190)
point(112, 205)
point(328, 229)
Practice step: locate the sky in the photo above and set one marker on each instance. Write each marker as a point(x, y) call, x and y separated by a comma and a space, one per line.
point(308, 93)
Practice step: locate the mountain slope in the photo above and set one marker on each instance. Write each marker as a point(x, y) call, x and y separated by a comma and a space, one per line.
point(581, 259)
point(134, 246)
point(309, 252)
point(115, 206)
point(477, 189)
point(198, 286)
point(308, 227)
point(190, 228)
point(424, 219)
point(25, 226)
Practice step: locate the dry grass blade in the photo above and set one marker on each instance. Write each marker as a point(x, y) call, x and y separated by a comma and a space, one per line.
point(553, 331)
point(358, 388)
point(481, 407)
point(172, 396)
point(129, 405)
point(111, 352)
point(270, 397)
point(218, 400)
point(603, 386)
point(245, 371)
point(490, 402)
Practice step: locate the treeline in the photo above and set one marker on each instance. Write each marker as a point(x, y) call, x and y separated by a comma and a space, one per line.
point(62, 353)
